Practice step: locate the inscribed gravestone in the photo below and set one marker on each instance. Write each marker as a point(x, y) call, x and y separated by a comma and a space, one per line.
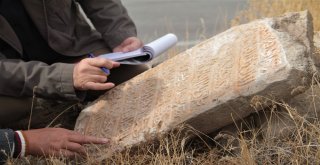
point(208, 86)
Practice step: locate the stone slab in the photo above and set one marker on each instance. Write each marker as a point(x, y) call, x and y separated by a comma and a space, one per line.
point(316, 51)
point(208, 86)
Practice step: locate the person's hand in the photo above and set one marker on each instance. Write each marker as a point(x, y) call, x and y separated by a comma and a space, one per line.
point(87, 74)
point(58, 142)
point(129, 44)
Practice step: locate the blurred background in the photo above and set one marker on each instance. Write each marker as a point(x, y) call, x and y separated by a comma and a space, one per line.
point(196, 20)
point(191, 20)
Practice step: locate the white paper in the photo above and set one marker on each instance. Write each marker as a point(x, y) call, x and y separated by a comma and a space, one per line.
point(146, 53)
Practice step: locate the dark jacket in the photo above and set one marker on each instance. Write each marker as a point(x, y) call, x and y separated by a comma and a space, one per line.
point(67, 32)
point(6, 144)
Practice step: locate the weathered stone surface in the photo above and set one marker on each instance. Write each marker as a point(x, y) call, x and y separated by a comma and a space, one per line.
point(307, 104)
point(208, 86)
point(316, 39)
point(316, 52)
point(278, 123)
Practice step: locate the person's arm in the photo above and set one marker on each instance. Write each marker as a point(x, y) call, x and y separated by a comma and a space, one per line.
point(44, 142)
point(58, 142)
point(111, 19)
point(56, 81)
point(19, 78)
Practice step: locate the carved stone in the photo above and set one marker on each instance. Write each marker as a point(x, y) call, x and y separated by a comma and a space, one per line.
point(316, 51)
point(208, 86)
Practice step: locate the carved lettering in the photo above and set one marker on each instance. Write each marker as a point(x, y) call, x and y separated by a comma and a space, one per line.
point(201, 86)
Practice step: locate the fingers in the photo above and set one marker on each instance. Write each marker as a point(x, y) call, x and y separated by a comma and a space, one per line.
point(85, 67)
point(73, 144)
point(101, 62)
point(64, 152)
point(129, 48)
point(98, 78)
point(95, 82)
point(60, 152)
point(97, 86)
point(115, 64)
point(132, 46)
point(129, 44)
point(88, 75)
point(59, 142)
point(75, 147)
point(82, 139)
point(117, 49)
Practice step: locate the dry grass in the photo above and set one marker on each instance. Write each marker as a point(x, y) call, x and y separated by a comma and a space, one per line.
point(253, 143)
point(268, 8)
point(284, 135)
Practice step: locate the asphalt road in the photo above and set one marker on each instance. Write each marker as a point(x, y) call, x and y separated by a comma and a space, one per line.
point(190, 20)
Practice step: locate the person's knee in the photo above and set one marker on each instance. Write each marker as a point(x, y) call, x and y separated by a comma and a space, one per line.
point(13, 109)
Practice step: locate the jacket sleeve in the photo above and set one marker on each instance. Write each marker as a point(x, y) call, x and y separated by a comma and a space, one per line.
point(19, 78)
point(111, 19)
point(6, 144)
